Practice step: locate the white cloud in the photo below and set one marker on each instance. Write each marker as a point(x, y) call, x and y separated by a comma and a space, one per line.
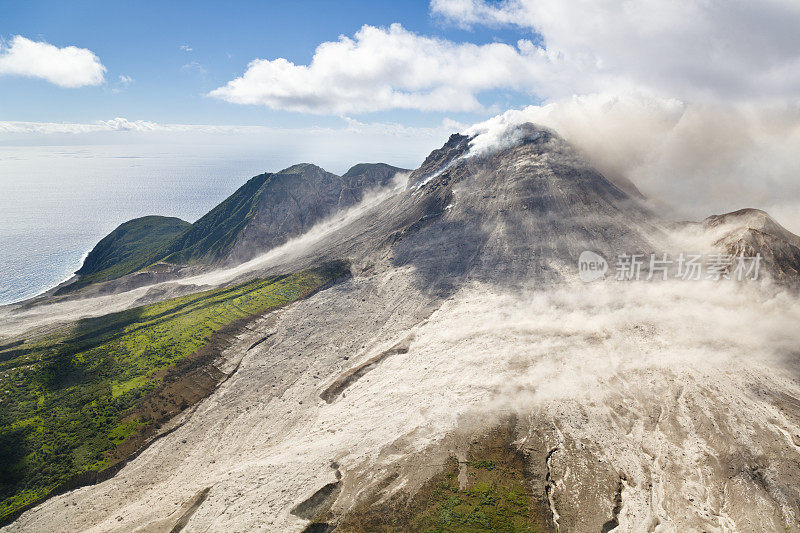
point(688, 49)
point(692, 50)
point(36, 130)
point(114, 124)
point(67, 67)
point(186, 48)
point(195, 67)
point(389, 68)
point(335, 148)
point(695, 101)
point(123, 82)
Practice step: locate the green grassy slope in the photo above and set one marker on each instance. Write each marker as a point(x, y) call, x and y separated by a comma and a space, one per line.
point(66, 398)
point(131, 246)
point(211, 238)
point(213, 235)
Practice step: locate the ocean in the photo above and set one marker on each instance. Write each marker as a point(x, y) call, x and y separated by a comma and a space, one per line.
point(57, 202)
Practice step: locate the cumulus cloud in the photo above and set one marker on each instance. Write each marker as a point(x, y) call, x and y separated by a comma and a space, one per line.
point(389, 68)
point(686, 49)
point(695, 102)
point(66, 67)
point(123, 82)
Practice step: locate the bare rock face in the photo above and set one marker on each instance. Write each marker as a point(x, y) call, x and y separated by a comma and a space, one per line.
point(364, 178)
point(751, 231)
point(293, 200)
point(465, 379)
point(455, 148)
point(288, 204)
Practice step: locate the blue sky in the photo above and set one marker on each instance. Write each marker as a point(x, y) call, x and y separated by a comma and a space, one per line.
point(142, 40)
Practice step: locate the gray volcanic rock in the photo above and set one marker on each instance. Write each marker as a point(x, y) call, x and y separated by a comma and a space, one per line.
point(523, 213)
point(293, 200)
point(456, 147)
point(520, 215)
point(365, 177)
point(289, 203)
point(751, 231)
point(754, 219)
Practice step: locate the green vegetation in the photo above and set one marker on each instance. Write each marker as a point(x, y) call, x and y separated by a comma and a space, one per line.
point(213, 236)
point(130, 247)
point(68, 399)
point(215, 233)
point(488, 492)
point(494, 499)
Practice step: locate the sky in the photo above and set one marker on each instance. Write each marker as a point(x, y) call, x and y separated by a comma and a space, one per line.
point(162, 59)
point(696, 101)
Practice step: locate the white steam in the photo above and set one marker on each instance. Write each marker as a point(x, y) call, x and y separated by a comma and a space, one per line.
point(699, 158)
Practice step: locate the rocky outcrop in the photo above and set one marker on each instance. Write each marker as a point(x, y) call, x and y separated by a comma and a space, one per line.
point(750, 232)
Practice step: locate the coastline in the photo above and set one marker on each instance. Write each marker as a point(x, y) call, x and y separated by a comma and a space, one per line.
point(46, 292)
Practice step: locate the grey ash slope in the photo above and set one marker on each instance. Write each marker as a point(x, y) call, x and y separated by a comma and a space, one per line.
point(751, 231)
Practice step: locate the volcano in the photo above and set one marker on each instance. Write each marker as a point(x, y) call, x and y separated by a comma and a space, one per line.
point(460, 376)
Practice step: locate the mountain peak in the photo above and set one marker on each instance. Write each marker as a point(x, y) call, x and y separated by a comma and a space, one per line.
point(752, 219)
point(361, 168)
point(301, 168)
point(440, 159)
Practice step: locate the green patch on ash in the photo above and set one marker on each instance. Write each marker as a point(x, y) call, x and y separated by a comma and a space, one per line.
point(77, 402)
point(487, 492)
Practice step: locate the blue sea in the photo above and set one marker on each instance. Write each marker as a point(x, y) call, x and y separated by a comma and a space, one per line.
point(56, 202)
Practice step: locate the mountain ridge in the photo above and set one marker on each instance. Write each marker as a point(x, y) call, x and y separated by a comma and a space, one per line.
point(264, 212)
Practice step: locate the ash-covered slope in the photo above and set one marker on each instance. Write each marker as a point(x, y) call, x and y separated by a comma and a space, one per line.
point(751, 231)
point(464, 379)
point(524, 213)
